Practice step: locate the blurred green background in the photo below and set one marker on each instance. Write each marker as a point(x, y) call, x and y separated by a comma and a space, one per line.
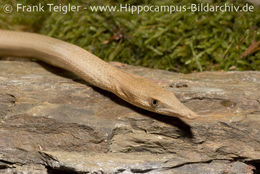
point(182, 42)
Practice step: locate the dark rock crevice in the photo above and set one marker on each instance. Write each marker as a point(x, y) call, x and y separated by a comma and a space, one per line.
point(255, 164)
point(63, 170)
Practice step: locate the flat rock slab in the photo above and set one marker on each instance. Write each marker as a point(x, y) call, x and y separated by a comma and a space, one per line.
point(52, 121)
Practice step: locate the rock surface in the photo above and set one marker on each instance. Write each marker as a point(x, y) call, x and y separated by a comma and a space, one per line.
point(53, 122)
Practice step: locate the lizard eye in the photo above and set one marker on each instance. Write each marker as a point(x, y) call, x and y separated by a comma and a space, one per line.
point(154, 102)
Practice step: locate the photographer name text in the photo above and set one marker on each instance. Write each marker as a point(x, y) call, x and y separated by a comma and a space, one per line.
point(48, 7)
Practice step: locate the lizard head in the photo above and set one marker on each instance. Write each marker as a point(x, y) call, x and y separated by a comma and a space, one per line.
point(165, 102)
point(150, 96)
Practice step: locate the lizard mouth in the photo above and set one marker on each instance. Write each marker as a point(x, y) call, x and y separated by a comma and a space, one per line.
point(181, 113)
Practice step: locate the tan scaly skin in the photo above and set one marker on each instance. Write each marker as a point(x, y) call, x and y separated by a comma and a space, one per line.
point(134, 89)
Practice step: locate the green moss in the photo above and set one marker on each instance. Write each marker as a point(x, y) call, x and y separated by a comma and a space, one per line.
point(182, 42)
